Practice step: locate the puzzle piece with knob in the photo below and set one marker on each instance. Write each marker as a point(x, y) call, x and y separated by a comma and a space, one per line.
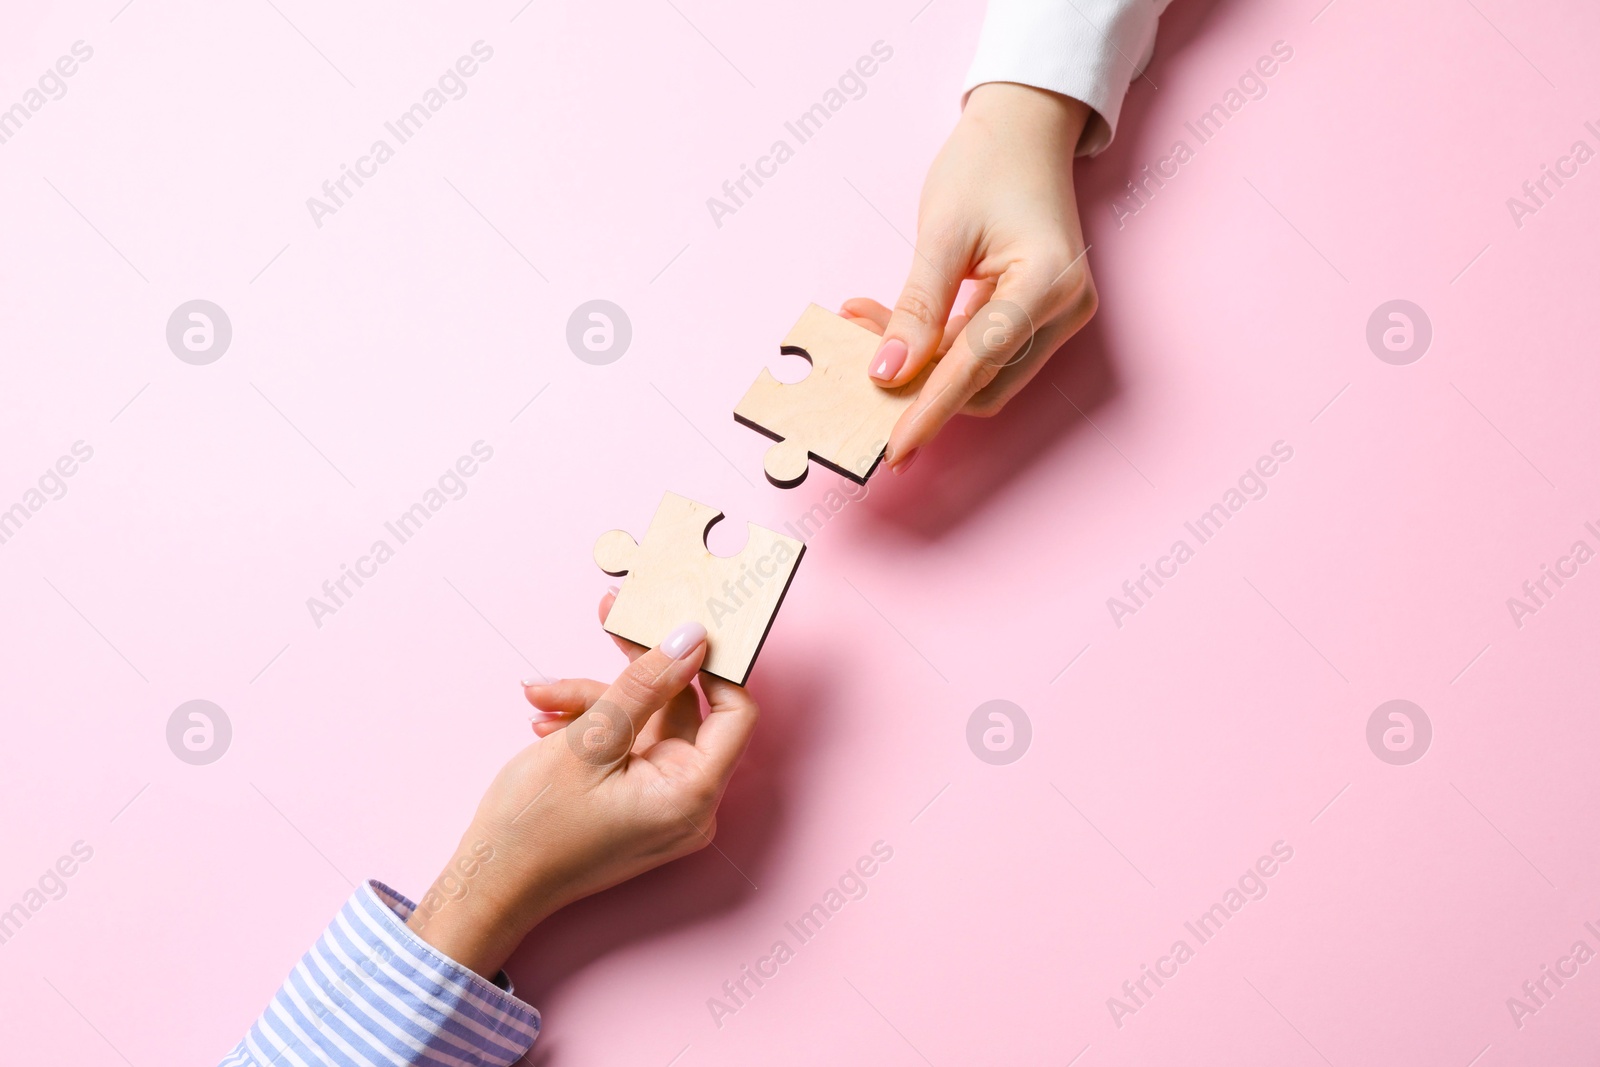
point(836, 415)
point(672, 577)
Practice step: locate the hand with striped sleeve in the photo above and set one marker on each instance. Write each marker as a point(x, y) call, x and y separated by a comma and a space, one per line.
point(626, 777)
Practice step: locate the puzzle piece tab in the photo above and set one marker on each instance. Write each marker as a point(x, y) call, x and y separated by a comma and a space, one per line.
point(836, 416)
point(673, 578)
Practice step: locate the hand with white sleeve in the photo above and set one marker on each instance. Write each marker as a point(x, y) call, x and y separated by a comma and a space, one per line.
point(999, 208)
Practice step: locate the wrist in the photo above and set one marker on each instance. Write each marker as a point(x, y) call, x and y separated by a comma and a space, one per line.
point(464, 914)
point(1014, 104)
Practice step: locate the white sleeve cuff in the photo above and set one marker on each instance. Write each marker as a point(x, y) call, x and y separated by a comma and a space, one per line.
point(1086, 49)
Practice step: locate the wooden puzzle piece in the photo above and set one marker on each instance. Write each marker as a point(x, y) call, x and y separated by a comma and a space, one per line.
point(673, 578)
point(837, 415)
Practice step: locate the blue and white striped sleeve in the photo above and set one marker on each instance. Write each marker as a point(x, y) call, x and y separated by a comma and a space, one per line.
point(370, 993)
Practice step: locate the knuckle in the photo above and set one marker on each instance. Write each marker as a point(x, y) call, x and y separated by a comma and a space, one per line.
point(919, 306)
point(705, 831)
point(1086, 302)
point(985, 365)
point(986, 405)
point(997, 333)
point(1072, 286)
point(703, 796)
point(636, 685)
point(694, 799)
point(725, 696)
point(1058, 265)
point(600, 736)
point(1057, 258)
point(987, 362)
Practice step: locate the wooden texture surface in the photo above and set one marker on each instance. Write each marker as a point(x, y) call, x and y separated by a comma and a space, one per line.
point(673, 578)
point(836, 415)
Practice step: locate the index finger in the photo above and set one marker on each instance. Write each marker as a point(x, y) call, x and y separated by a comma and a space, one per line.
point(629, 648)
point(1003, 332)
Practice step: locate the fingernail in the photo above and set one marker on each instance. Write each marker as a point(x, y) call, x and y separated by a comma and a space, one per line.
point(613, 590)
point(891, 357)
point(545, 716)
point(533, 683)
point(683, 640)
point(902, 465)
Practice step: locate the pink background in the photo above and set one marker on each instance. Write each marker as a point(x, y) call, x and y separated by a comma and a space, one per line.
point(1223, 717)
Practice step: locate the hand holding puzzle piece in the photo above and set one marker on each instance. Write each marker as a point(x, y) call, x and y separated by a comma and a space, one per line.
point(838, 417)
point(836, 414)
point(674, 578)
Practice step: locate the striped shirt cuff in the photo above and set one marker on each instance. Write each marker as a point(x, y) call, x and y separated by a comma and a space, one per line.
point(370, 993)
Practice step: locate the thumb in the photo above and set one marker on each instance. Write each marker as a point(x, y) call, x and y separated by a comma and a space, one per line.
point(604, 735)
point(911, 339)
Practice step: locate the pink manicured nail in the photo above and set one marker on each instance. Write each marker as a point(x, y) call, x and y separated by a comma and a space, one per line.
point(902, 465)
point(891, 357)
point(545, 716)
point(533, 683)
point(685, 639)
point(613, 590)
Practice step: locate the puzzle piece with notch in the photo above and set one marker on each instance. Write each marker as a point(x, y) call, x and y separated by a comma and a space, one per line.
point(672, 577)
point(836, 415)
